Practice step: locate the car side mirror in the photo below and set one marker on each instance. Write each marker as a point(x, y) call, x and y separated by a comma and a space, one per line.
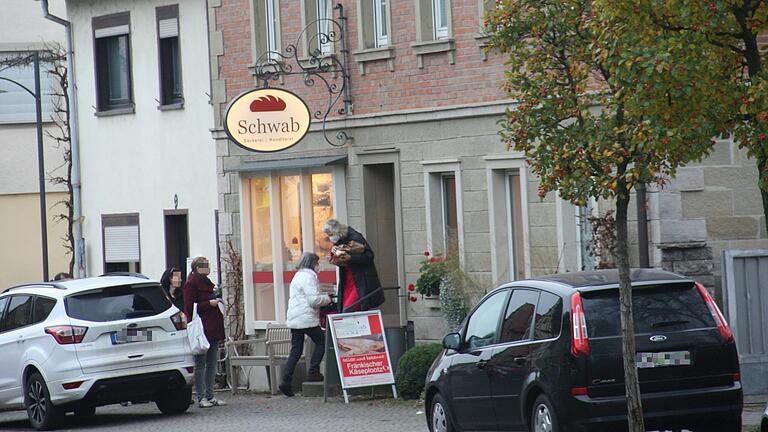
point(452, 341)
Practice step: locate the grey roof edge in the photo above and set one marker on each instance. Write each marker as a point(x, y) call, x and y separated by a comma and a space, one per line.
point(296, 162)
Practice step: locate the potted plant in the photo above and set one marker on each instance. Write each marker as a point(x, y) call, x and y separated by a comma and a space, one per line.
point(431, 274)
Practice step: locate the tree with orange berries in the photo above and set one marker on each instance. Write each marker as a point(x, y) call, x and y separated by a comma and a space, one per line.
point(600, 111)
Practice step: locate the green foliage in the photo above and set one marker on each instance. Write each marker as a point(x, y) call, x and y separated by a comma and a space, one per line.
point(601, 108)
point(412, 370)
point(432, 271)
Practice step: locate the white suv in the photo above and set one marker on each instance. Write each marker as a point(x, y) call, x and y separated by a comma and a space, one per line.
point(71, 346)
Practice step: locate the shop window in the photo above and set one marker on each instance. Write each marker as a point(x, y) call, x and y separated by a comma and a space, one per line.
point(120, 242)
point(170, 58)
point(113, 62)
point(261, 241)
point(287, 214)
point(266, 24)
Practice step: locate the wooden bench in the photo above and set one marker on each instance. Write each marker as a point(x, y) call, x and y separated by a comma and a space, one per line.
point(276, 344)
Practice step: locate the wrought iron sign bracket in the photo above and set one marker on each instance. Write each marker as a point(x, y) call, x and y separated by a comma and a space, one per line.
point(322, 65)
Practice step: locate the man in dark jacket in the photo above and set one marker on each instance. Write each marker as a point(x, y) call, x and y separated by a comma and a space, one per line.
point(357, 276)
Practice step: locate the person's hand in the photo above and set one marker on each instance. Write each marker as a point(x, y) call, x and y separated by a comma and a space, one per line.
point(343, 258)
point(213, 303)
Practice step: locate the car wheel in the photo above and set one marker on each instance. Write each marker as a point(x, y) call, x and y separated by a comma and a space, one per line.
point(86, 411)
point(440, 416)
point(543, 416)
point(43, 415)
point(175, 401)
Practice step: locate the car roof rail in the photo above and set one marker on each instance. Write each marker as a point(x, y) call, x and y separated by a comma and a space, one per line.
point(38, 285)
point(131, 274)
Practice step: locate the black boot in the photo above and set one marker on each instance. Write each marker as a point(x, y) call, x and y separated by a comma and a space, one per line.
point(285, 388)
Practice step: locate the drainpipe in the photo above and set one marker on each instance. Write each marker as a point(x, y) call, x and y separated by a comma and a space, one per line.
point(74, 143)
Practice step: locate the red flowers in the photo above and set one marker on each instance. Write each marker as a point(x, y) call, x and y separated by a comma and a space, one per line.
point(761, 137)
point(411, 287)
point(426, 253)
point(412, 299)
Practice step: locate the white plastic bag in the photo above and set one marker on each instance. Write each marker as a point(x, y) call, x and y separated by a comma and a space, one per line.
point(198, 343)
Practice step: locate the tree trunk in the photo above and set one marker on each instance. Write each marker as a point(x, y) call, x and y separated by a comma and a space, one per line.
point(631, 384)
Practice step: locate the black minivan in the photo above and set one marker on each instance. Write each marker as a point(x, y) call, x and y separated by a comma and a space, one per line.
point(544, 355)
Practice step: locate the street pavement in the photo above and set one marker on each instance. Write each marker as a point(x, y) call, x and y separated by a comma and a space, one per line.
point(258, 412)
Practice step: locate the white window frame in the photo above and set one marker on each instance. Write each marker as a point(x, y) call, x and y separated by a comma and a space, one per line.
point(440, 29)
point(433, 185)
point(380, 24)
point(280, 287)
point(498, 168)
point(271, 27)
point(323, 25)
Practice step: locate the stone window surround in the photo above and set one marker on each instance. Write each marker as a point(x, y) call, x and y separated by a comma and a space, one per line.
point(281, 302)
point(498, 218)
point(425, 42)
point(433, 169)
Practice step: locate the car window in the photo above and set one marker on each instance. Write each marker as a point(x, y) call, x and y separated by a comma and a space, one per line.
point(549, 316)
point(118, 303)
point(19, 313)
point(658, 309)
point(484, 322)
point(519, 316)
point(3, 303)
point(43, 308)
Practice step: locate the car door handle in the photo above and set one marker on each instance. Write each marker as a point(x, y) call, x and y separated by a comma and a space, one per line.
point(20, 339)
point(482, 364)
point(520, 360)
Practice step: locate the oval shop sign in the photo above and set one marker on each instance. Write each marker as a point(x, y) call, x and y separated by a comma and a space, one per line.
point(267, 120)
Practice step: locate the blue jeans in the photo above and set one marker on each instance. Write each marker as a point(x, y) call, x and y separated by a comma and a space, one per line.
point(205, 371)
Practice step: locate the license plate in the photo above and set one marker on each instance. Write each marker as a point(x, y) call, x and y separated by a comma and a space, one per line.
point(131, 336)
point(646, 360)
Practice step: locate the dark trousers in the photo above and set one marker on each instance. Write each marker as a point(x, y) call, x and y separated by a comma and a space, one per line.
point(297, 347)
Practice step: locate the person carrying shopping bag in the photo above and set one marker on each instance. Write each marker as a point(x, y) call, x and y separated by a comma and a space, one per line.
point(303, 319)
point(198, 290)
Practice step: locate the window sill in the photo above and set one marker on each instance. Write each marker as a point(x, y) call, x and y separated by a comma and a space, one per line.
point(481, 40)
point(434, 47)
point(171, 107)
point(365, 56)
point(116, 111)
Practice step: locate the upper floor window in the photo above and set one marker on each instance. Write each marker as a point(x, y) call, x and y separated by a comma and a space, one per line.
point(440, 19)
point(380, 14)
point(113, 61)
point(170, 57)
point(16, 105)
point(317, 18)
point(266, 23)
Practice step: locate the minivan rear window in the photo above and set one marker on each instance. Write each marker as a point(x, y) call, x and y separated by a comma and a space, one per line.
point(657, 309)
point(118, 303)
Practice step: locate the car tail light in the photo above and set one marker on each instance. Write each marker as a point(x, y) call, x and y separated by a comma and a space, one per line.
point(179, 321)
point(579, 391)
point(580, 342)
point(67, 335)
point(72, 385)
point(722, 325)
point(190, 369)
point(736, 377)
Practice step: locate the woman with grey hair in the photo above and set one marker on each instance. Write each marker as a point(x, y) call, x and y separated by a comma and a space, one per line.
point(303, 319)
point(357, 276)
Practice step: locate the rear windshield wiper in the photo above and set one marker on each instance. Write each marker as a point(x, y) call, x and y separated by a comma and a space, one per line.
point(669, 323)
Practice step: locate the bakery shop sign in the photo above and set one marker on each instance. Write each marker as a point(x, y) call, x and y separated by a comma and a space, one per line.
point(267, 120)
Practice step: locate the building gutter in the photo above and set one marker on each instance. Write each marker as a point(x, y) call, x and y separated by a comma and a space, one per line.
point(79, 252)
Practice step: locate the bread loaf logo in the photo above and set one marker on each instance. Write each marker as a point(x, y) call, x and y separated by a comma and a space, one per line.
point(267, 120)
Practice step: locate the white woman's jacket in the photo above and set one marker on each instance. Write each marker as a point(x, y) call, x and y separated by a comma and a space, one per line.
point(305, 300)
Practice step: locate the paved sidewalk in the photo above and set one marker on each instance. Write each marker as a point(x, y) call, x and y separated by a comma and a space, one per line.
point(252, 413)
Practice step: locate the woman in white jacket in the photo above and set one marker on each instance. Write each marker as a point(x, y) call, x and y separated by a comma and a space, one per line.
point(303, 319)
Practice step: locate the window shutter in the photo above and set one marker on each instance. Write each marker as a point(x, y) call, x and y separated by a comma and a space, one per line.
point(121, 243)
point(112, 31)
point(168, 28)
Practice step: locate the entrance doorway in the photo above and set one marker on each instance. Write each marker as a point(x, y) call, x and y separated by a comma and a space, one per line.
point(177, 240)
point(381, 231)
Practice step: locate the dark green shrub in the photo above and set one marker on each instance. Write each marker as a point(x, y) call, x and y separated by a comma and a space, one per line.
point(412, 370)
